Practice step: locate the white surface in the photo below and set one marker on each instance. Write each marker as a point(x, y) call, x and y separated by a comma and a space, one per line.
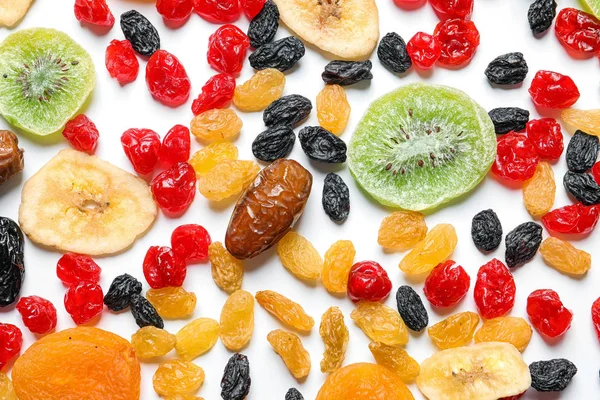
point(503, 27)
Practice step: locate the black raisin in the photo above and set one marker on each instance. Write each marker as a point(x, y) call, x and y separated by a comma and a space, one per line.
point(293, 394)
point(121, 289)
point(321, 145)
point(582, 152)
point(411, 308)
point(140, 32)
point(264, 26)
point(582, 187)
point(522, 243)
point(507, 69)
point(540, 15)
point(235, 383)
point(287, 110)
point(12, 261)
point(508, 119)
point(144, 312)
point(552, 375)
point(486, 230)
point(392, 53)
point(336, 198)
point(281, 54)
point(346, 73)
point(274, 143)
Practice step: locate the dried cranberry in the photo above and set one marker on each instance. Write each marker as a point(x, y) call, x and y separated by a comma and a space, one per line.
point(167, 79)
point(575, 219)
point(553, 90)
point(596, 172)
point(227, 49)
point(95, 12)
point(83, 301)
point(175, 146)
point(447, 284)
point(547, 313)
point(175, 188)
point(217, 92)
point(39, 315)
point(11, 340)
point(458, 40)
point(191, 242)
point(595, 318)
point(446, 9)
point(162, 267)
point(218, 11)
point(494, 290)
point(424, 50)
point(142, 147)
point(546, 136)
point(578, 30)
point(73, 268)
point(82, 133)
point(174, 10)
point(252, 7)
point(368, 281)
point(121, 62)
point(516, 158)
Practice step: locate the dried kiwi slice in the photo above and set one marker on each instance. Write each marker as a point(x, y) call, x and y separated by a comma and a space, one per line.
point(421, 146)
point(45, 78)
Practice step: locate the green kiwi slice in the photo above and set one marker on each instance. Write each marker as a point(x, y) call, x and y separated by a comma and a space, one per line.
point(421, 146)
point(45, 78)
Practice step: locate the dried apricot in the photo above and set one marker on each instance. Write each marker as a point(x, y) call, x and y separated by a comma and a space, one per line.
point(196, 338)
point(172, 302)
point(299, 256)
point(380, 323)
point(539, 191)
point(336, 266)
point(228, 178)
point(395, 359)
point(564, 257)
point(150, 342)
point(237, 320)
point(333, 109)
point(177, 377)
point(285, 310)
point(216, 125)
point(402, 230)
point(227, 271)
point(437, 246)
point(263, 88)
point(204, 160)
point(513, 330)
point(455, 331)
point(7, 392)
point(289, 347)
point(335, 337)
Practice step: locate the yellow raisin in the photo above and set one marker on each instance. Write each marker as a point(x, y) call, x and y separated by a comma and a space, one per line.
point(513, 330)
point(565, 257)
point(177, 377)
point(299, 256)
point(237, 320)
point(150, 342)
point(228, 178)
point(172, 302)
point(216, 125)
point(395, 359)
point(402, 230)
point(7, 391)
point(455, 331)
point(289, 347)
point(333, 109)
point(437, 246)
point(227, 271)
point(539, 191)
point(196, 338)
point(335, 337)
point(285, 310)
point(258, 92)
point(204, 160)
point(336, 266)
point(380, 323)
point(585, 120)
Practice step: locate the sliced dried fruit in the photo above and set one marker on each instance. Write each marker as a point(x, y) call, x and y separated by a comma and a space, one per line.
point(436, 247)
point(337, 263)
point(177, 377)
point(285, 310)
point(207, 158)
point(172, 302)
point(263, 88)
point(216, 125)
point(335, 337)
point(513, 330)
point(402, 230)
point(539, 191)
point(12, 11)
point(150, 342)
point(196, 338)
point(237, 320)
point(395, 359)
point(299, 256)
point(380, 323)
point(455, 331)
point(227, 271)
point(289, 347)
point(565, 257)
point(228, 178)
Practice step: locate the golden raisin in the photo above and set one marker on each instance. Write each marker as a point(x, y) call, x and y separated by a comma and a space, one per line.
point(299, 256)
point(539, 191)
point(333, 109)
point(585, 120)
point(380, 323)
point(204, 160)
point(336, 266)
point(227, 271)
point(177, 377)
point(513, 330)
point(565, 257)
point(402, 230)
point(289, 347)
point(216, 125)
point(395, 359)
point(196, 338)
point(285, 310)
point(258, 92)
point(455, 331)
point(172, 302)
point(237, 320)
point(335, 337)
point(437, 246)
point(150, 342)
point(7, 392)
point(228, 178)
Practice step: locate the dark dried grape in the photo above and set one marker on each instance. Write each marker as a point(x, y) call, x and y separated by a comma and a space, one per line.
point(121, 289)
point(321, 145)
point(522, 243)
point(144, 312)
point(582, 187)
point(281, 54)
point(486, 231)
point(12, 262)
point(508, 119)
point(507, 69)
point(336, 198)
point(293, 394)
point(346, 73)
point(540, 15)
point(392, 53)
point(140, 32)
point(552, 375)
point(11, 156)
point(287, 110)
point(274, 143)
point(264, 26)
point(235, 383)
point(582, 152)
point(411, 309)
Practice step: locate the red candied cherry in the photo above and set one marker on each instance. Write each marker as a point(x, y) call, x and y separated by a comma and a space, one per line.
point(546, 136)
point(142, 147)
point(11, 340)
point(409, 4)
point(175, 146)
point(516, 158)
point(495, 290)
point(553, 90)
point(252, 7)
point(547, 313)
point(73, 268)
point(572, 219)
point(167, 79)
point(39, 315)
point(227, 49)
point(175, 188)
point(447, 284)
point(596, 172)
point(84, 301)
point(458, 40)
point(95, 12)
point(368, 281)
point(191, 242)
point(218, 11)
point(217, 92)
point(174, 10)
point(578, 30)
point(121, 61)
point(82, 133)
point(162, 267)
point(595, 317)
point(447, 9)
point(424, 50)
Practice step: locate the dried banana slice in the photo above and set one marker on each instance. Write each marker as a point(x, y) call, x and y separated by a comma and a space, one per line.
point(12, 11)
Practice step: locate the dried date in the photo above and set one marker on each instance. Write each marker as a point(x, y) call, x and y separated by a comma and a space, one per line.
point(552, 375)
point(288, 111)
point(540, 15)
point(321, 145)
point(264, 26)
point(508, 119)
point(336, 198)
point(11, 156)
point(274, 143)
point(582, 152)
point(411, 309)
point(144, 312)
point(507, 69)
point(582, 187)
point(346, 73)
point(293, 394)
point(486, 230)
point(235, 384)
point(140, 32)
point(392, 53)
point(121, 289)
point(522, 243)
point(12, 261)
point(281, 54)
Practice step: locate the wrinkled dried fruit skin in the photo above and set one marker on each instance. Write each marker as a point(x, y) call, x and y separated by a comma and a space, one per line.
point(263, 88)
point(547, 313)
point(167, 79)
point(190, 242)
point(12, 261)
point(11, 156)
point(217, 92)
point(144, 312)
point(522, 243)
point(495, 290)
point(516, 158)
point(508, 119)
point(455, 331)
point(227, 271)
point(595, 316)
point(95, 12)
point(395, 359)
point(207, 158)
point(38, 314)
point(218, 12)
point(172, 302)
point(227, 179)
point(513, 330)
point(288, 110)
point(281, 54)
point(458, 39)
point(573, 219)
point(177, 377)
point(268, 209)
point(264, 25)
point(336, 198)
point(176, 11)
point(539, 191)
point(368, 281)
point(73, 268)
point(552, 375)
point(582, 187)
point(121, 289)
point(6, 388)
point(162, 267)
point(150, 342)
point(175, 188)
point(578, 30)
point(285, 310)
point(141, 147)
point(237, 320)
point(402, 230)
point(338, 261)
point(546, 136)
point(553, 90)
point(507, 69)
point(586, 120)
point(564, 257)
point(82, 134)
point(333, 109)
point(196, 338)
point(216, 125)
point(411, 309)
point(392, 53)
point(540, 15)
point(380, 323)
point(12, 341)
point(227, 49)
point(424, 50)
point(274, 143)
point(582, 151)
point(346, 73)
point(437, 246)
point(293, 394)
point(84, 301)
point(140, 32)
point(321, 145)
point(121, 61)
point(486, 230)
point(335, 337)
point(445, 9)
point(299, 256)
point(446, 284)
point(235, 384)
point(289, 347)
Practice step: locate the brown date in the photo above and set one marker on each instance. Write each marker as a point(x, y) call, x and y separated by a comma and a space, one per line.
point(11, 156)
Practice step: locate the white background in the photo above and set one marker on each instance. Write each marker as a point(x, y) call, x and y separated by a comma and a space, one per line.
point(503, 27)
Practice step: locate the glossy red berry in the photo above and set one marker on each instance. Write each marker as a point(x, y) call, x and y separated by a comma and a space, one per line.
point(368, 281)
point(84, 301)
point(446, 284)
point(546, 136)
point(82, 133)
point(424, 50)
point(217, 92)
point(227, 49)
point(596, 172)
point(553, 90)
point(578, 30)
point(547, 313)
point(11, 340)
point(191, 242)
point(73, 268)
point(39, 315)
point(175, 146)
point(95, 12)
point(121, 61)
point(174, 10)
point(516, 158)
point(218, 11)
point(167, 79)
point(252, 7)
point(572, 219)
point(142, 147)
point(595, 317)
point(446, 9)
point(162, 267)
point(458, 40)
point(495, 290)
point(175, 188)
